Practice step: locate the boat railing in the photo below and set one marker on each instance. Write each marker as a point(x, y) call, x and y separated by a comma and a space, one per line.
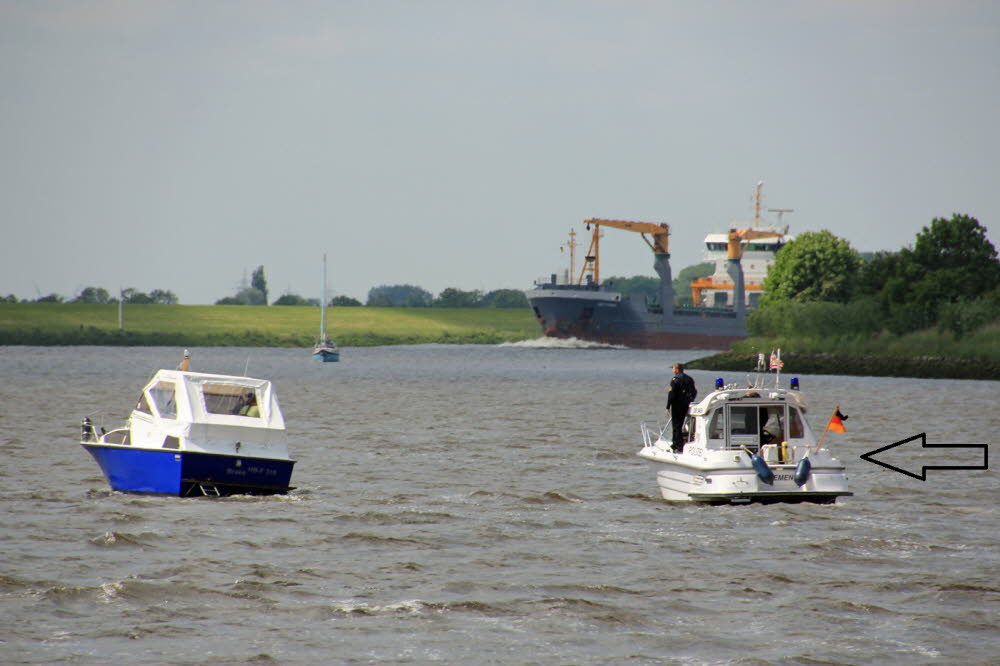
point(648, 438)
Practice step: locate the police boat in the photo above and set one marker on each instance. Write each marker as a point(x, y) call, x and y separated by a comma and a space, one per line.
point(194, 434)
point(747, 444)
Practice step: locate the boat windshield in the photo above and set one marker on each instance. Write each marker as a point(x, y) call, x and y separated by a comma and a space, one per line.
point(163, 397)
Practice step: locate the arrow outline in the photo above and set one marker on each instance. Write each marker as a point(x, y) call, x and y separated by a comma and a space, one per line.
point(923, 444)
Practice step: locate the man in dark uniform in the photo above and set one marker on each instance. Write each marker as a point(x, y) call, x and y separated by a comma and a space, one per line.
point(679, 398)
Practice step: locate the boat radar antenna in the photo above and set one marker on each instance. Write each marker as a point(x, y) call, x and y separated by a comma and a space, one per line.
point(780, 212)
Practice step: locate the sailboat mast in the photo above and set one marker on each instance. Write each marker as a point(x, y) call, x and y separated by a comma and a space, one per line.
point(322, 305)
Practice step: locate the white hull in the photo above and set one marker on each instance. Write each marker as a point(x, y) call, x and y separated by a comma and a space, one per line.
point(693, 478)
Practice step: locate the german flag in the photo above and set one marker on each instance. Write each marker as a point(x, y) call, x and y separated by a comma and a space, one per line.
point(836, 423)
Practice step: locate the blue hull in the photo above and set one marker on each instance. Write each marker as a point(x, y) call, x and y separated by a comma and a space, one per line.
point(326, 357)
point(189, 473)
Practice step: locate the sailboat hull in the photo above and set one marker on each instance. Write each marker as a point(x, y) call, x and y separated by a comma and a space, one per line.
point(326, 356)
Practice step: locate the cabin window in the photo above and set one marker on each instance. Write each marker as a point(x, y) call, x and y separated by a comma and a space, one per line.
point(689, 425)
point(720, 299)
point(743, 427)
point(230, 399)
point(772, 424)
point(143, 405)
point(716, 429)
point(795, 429)
point(164, 397)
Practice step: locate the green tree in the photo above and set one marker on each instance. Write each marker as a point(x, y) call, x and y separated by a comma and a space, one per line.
point(951, 262)
point(248, 296)
point(135, 297)
point(291, 299)
point(258, 282)
point(51, 298)
point(957, 253)
point(96, 295)
point(456, 298)
point(163, 297)
point(345, 301)
point(682, 283)
point(816, 266)
point(399, 296)
point(506, 298)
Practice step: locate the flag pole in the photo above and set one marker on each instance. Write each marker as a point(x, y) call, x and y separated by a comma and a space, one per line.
point(823, 436)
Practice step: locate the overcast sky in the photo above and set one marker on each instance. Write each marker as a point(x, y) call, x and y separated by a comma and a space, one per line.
point(179, 145)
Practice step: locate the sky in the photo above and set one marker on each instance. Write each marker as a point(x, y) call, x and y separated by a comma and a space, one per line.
point(179, 145)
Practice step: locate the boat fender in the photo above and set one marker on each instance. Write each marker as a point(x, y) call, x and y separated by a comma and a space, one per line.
point(802, 471)
point(759, 466)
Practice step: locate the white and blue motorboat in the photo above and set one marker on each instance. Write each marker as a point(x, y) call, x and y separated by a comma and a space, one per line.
point(193, 434)
point(745, 445)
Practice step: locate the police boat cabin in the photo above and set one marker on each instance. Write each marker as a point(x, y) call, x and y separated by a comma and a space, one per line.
point(746, 444)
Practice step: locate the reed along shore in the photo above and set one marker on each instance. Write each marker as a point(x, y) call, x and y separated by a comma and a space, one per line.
point(869, 365)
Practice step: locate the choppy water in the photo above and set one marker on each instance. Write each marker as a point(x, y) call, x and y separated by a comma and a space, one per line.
point(485, 505)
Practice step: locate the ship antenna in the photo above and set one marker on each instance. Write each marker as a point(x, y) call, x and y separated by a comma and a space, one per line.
point(756, 204)
point(780, 212)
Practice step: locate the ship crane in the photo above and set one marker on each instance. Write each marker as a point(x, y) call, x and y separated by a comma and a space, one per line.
point(657, 240)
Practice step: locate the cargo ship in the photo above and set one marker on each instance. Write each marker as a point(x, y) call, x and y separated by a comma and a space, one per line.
point(582, 308)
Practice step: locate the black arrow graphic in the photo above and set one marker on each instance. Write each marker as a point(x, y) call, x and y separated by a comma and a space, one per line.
point(870, 456)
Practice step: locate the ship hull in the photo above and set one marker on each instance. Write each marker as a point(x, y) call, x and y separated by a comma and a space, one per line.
point(606, 316)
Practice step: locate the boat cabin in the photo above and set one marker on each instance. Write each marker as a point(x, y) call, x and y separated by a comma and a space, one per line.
point(749, 419)
point(190, 410)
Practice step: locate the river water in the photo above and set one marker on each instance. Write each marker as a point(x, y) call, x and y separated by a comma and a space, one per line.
point(484, 505)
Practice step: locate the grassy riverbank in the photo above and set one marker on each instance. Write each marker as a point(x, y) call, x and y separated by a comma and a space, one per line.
point(930, 354)
point(257, 326)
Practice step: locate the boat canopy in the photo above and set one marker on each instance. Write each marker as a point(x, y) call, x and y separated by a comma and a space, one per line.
point(179, 397)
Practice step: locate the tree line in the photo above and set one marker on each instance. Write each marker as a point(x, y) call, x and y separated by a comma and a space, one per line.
point(256, 293)
point(820, 286)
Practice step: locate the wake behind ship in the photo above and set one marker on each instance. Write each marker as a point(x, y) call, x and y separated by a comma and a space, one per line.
point(588, 310)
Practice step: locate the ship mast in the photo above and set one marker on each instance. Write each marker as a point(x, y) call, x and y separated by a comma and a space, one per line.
point(572, 253)
point(756, 204)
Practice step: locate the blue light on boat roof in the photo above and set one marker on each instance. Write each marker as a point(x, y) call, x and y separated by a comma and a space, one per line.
point(719, 383)
point(795, 383)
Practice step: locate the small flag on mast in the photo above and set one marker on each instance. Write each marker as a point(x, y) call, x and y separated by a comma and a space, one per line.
point(837, 421)
point(776, 362)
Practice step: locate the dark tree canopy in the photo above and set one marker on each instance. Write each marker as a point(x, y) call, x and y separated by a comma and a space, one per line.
point(344, 301)
point(258, 282)
point(399, 296)
point(97, 295)
point(456, 298)
point(248, 296)
point(295, 299)
point(506, 298)
point(682, 283)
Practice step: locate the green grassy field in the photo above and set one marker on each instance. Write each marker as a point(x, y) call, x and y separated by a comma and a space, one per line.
point(257, 326)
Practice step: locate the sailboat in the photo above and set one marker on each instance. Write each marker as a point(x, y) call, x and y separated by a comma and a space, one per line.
point(326, 349)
